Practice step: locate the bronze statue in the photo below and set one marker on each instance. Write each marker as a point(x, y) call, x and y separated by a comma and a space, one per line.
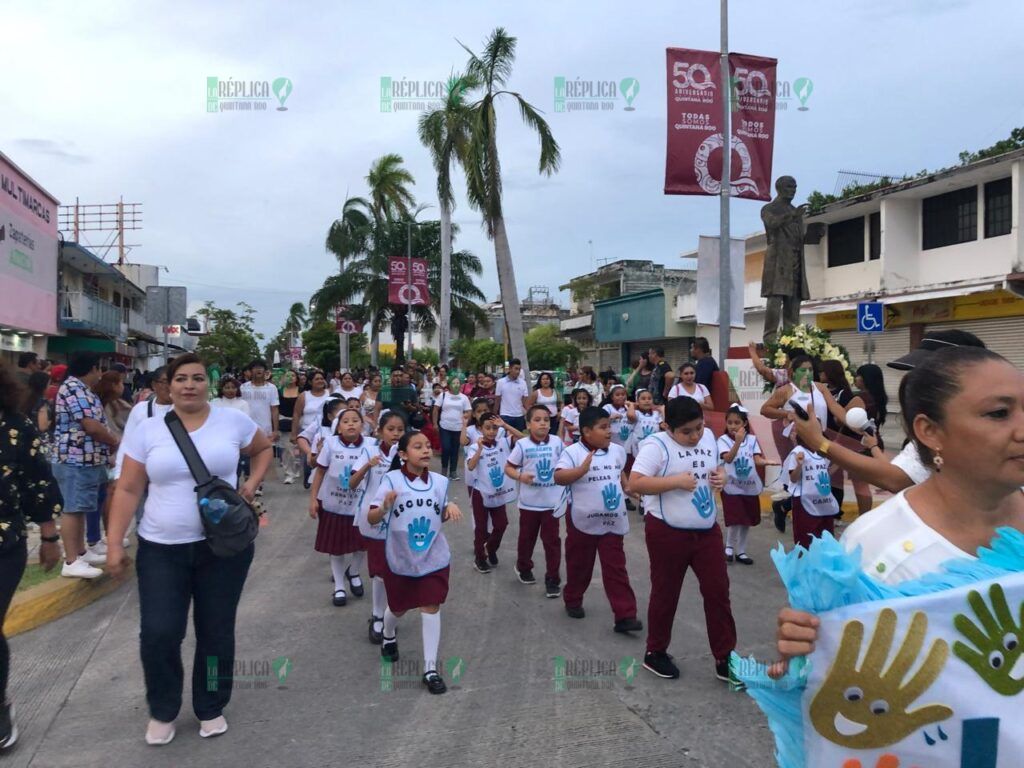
point(784, 280)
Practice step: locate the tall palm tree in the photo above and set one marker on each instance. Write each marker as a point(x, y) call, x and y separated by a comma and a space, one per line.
point(445, 132)
point(389, 182)
point(297, 320)
point(483, 168)
point(347, 237)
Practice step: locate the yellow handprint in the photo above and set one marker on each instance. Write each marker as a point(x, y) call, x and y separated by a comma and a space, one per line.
point(867, 708)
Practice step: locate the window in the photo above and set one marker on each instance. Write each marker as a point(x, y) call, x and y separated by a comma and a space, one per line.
point(997, 207)
point(950, 218)
point(875, 235)
point(846, 242)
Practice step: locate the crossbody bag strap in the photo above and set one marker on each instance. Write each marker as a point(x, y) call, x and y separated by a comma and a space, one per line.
point(195, 462)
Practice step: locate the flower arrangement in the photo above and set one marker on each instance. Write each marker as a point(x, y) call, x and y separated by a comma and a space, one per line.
point(812, 340)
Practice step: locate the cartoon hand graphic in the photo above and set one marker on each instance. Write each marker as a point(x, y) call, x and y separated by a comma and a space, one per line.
point(612, 497)
point(823, 483)
point(420, 534)
point(648, 430)
point(703, 502)
point(997, 654)
point(345, 477)
point(544, 471)
point(742, 466)
point(623, 432)
point(497, 476)
point(868, 708)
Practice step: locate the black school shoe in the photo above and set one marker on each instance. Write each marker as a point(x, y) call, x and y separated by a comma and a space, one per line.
point(630, 505)
point(340, 598)
point(357, 589)
point(779, 513)
point(376, 637)
point(742, 558)
point(525, 576)
point(389, 649)
point(552, 588)
point(725, 674)
point(8, 730)
point(576, 612)
point(628, 625)
point(493, 559)
point(481, 565)
point(434, 683)
point(660, 663)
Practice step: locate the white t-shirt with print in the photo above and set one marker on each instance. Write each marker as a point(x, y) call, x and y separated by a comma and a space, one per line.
point(261, 399)
point(539, 460)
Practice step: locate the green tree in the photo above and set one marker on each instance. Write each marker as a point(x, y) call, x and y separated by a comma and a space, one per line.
point(321, 343)
point(478, 354)
point(425, 356)
point(389, 184)
point(483, 169)
point(231, 340)
point(548, 350)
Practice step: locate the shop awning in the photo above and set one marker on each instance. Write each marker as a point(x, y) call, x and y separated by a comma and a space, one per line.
point(848, 303)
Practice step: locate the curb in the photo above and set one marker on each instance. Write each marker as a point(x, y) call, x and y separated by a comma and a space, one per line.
point(57, 598)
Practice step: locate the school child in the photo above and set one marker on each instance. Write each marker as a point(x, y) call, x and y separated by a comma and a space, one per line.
point(492, 490)
point(532, 464)
point(677, 471)
point(647, 420)
point(411, 504)
point(313, 436)
point(594, 470)
point(471, 434)
point(335, 498)
point(814, 507)
point(580, 400)
point(742, 456)
point(389, 432)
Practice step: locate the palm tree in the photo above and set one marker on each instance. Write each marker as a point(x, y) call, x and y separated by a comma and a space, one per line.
point(347, 237)
point(445, 132)
point(483, 169)
point(297, 320)
point(389, 182)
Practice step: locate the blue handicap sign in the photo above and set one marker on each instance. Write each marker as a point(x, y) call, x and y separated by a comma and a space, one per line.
point(870, 317)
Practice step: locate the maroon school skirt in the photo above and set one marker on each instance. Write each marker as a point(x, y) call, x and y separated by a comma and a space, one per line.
point(407, 592)
point(336, 534)
point(741, 510)
point(376, 560)
point(807, 526)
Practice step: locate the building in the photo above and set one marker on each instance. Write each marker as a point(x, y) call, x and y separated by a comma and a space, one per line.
point(537, 309)
point(147, 338)
point(622, 309)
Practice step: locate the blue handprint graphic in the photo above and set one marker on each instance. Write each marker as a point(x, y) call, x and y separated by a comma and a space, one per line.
point(703, 502)
point(345, 477)
point(497, 476)
point(742, 466)
point(611, 496)
point(544, 471)
point(420, 534)
point(624, 432)
point(823, 484)
point(648, 430)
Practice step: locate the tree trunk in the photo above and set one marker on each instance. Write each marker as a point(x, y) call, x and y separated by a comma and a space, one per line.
point(510, 295)
point(374, 343)
point(444, 327)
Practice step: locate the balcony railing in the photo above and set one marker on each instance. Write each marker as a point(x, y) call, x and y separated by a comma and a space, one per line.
point(83, 312)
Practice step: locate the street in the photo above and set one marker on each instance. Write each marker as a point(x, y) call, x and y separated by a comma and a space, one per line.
point(78, 689)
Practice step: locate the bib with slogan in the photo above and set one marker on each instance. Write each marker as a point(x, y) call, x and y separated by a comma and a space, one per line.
point(646, 424)
point(806, 399)
point(689, 510)
point(539, 460)
point(371, 484)
point(622, 427)
point(598, 501)
point(341, 460)
point(490, 480)
point(414, 543)
point(816, 487)
point(741, 474)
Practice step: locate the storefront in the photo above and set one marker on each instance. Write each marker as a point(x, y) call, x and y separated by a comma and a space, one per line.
point(110, 351)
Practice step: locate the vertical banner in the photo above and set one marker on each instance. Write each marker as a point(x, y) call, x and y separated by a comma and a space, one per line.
point(406, 288)
point(693, 163)
point(343, 322)
point(708, 270)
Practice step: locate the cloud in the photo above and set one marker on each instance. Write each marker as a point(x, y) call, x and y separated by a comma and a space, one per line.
point(63, 150)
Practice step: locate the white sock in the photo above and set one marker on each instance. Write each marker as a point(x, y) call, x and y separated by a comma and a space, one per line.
point(741, 538)
point(730, 535)
point(380, 599)
point(356, 565)
point(338, 565)
point(431, 639)
point(390, 624)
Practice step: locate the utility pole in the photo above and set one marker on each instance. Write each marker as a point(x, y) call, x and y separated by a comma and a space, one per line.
point(724, 244)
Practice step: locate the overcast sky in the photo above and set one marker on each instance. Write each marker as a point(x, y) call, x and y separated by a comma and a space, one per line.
point(103, 99)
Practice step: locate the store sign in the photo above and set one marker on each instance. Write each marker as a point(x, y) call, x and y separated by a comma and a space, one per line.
point(28, 253)
point(974, 306)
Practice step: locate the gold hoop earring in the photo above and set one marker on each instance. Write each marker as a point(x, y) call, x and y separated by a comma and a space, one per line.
point(937, 461)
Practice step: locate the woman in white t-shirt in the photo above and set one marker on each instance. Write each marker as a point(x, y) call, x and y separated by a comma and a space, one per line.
point(347, 387)
point(965, 409)
point(451, 410)
point(687, 386)
point(544, 393)
point(176, 567)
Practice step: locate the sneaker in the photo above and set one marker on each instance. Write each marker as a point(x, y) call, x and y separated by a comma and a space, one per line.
point(8, 730)
point(376, 637)
point(726, 675)
point(389, 649)
point(434, 683)
point(481, 565)
point(289, 480)
point(340, 598)
point(492, 558)
point(455, 476)
point(525, 576)
point(552, 589)
point(355, 583)
point(660, 663)
point(93, 558)
point(80, 569)
point(259, 491)
point(100, 547)
point(159, 733)
point(575, 612)
point(628, 625)
point(779, 513)
point(211, 728)
point(742, 558)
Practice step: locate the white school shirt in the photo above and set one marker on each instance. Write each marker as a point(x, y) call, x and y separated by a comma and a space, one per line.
point(370, 485)
point(660, 456)
point(473, 434)
point(452, 407)
point(414, 542)
point(571, 417)
point(171, 513)
point(512, 392)
point(700, 394)
point(539, 460)
point(138, 414)
point(230, 402)
point(646, 424)
point(622, 427)
point(261, 399)
point(489, 478)
point(811, 488)
point(804, 399)
point(340, 459)
point(549, 401)
point(909, 460)
point(598, 501)
point(741, 473)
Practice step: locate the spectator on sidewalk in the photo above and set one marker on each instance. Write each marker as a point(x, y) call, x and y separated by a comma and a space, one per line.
point(513, 394)
point(700, 351)
point(28, 363)
point(661, 375)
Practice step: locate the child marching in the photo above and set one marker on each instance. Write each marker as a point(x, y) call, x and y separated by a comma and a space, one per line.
point(532, 464)
point(677, 471)
point(594, 471)
point(579, 401)
point(492, 490)
point(411, 504)
point(742, 456)
point(814, 506)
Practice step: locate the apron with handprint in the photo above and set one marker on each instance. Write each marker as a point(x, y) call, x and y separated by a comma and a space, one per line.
point(335, 494)
point(598, 502)
point(496, 488)
point(816, 487)
point(646, 424)
point(371, 483)
point(622, 427)
point(688, 510)
point(414, 543)
point(741, 474)
point(539, 460)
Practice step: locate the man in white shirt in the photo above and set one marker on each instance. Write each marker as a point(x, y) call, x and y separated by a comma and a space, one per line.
point(263, 399)
point(513, 393)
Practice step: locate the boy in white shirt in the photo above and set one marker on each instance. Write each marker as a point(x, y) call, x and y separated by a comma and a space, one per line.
point(491, 490)
point(814, 506)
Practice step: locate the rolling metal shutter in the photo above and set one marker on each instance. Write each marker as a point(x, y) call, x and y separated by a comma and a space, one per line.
point(1004, 335)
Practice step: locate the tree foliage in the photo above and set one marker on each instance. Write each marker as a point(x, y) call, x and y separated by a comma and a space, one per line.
point(478, 354)
point(231, 339)
point(548, 350)
point(322, 352)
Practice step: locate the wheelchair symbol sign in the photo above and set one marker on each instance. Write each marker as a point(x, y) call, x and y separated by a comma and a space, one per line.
point(870, 317)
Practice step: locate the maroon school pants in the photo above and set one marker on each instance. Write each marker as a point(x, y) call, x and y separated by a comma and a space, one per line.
point(807, 526)
point(485, 543)
point(581, 549)
point(546, 524)
point(672, 552)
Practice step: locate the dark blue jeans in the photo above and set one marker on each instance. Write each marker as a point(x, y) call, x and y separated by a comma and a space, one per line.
point(450, 448)
point(172, 577)
point(12, 566)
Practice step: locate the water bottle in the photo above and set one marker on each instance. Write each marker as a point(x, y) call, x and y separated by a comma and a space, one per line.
point(214, 509)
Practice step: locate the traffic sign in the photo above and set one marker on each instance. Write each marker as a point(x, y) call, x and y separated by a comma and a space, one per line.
point(870, 317)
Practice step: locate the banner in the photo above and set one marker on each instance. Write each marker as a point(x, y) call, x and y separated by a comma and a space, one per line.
point(343, 322)
point(707, 280)
point(405, 288)
point(693, 164)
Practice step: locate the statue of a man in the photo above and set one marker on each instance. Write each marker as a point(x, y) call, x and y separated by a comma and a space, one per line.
point(784, 280)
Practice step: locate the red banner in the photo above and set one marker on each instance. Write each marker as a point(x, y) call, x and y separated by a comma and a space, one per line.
point(406, 288)
point(695, 133)
point(343, 322)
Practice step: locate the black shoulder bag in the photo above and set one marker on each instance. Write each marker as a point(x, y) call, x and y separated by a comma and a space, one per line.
point(229, 522)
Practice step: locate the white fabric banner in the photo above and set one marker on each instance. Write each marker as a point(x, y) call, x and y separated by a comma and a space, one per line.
point(707, 280)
